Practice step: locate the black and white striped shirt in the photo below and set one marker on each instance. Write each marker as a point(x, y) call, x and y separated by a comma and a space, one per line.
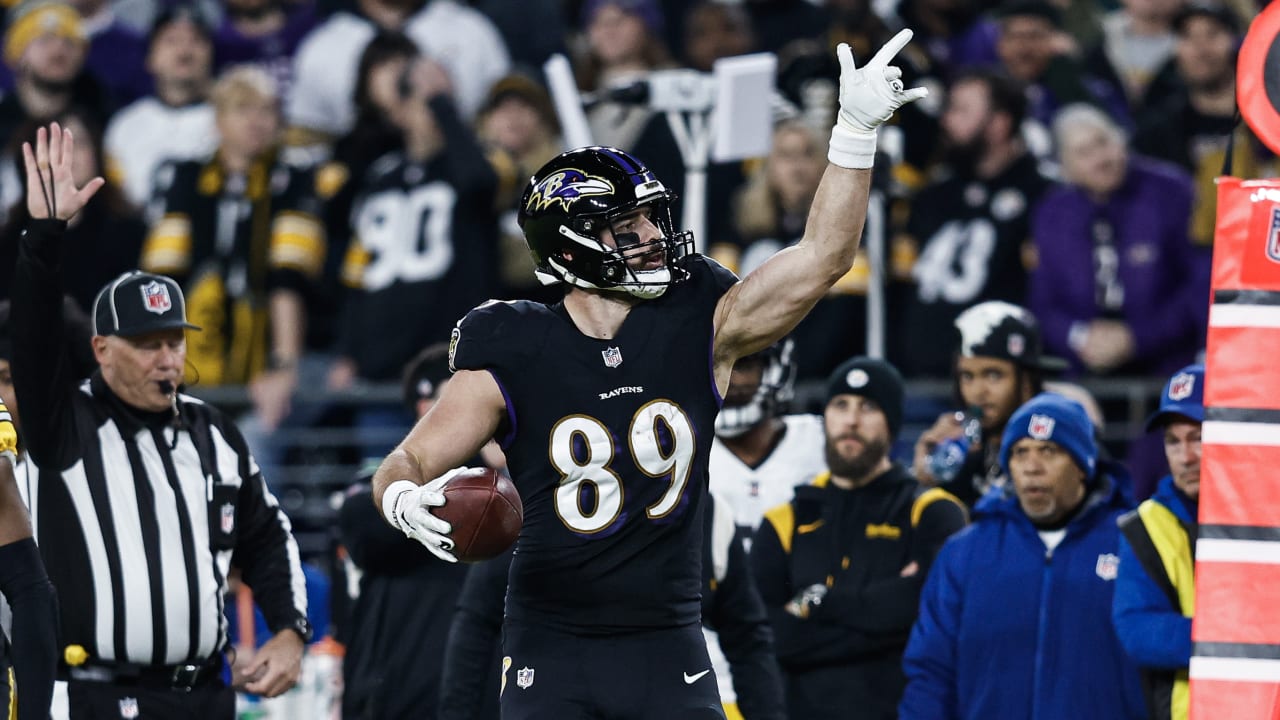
point(138, 517)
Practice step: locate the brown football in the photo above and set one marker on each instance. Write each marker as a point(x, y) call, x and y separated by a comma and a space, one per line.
point(485, 511)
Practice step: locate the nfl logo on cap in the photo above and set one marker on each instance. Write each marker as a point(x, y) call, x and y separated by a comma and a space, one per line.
point(155, 298)
point(1181, 386)
point(1040, 427)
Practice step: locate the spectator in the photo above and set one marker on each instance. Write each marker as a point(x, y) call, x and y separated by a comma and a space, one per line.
point(1194, 125)
point(1012, 620)
point(265, 33)
point(1156, 587)
point(176, 122)
point(241, 232)
point(999, 365)
point(769, 214)
point(116, 52)
point(45, 46)
point(971, 227)
point(424, 236)
point(519, 127)
point(462, 40)
point(145, 632)
point(624, 45)
point(27, 666)
point(840, 566)
point(1137, 40)
point(714, 30)
point(107, 235)
point(1121, 221)
point(1036, 52)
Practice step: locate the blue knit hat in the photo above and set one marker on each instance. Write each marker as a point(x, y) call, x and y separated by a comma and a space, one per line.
point(1052, 417)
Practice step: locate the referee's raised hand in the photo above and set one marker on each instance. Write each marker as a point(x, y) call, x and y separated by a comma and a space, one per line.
point(51, 184)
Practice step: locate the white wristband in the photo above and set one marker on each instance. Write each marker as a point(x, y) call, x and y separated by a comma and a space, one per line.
point(391, 496)
point(854, 149)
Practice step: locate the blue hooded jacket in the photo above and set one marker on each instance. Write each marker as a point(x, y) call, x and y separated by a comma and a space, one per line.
point(1008, 629)
point(1153, 631)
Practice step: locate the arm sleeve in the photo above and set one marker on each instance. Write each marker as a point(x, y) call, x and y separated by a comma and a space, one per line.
point(25, 585)
point(930, 658)
point(1151, 630)
point(43, 371)
point(740, 621)
point(265, 550)
point(475, 636)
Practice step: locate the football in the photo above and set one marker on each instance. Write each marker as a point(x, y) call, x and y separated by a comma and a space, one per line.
point(485, 511)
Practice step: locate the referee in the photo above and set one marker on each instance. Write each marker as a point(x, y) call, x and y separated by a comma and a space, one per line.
point(157, 495)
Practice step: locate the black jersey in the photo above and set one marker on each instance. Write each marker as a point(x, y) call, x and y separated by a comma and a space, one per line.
point(423, 248)
point(970, 234)
point(607, 441)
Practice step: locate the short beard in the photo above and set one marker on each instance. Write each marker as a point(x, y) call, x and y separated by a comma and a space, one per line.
point(51, 87)
point(859, 466)
point(964, 157)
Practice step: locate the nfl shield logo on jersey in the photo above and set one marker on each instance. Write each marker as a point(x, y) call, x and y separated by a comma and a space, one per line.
point(612, 356)
point(155, 298)
point(1108, 566)
point(228, 518)
point(129, 708)
point(1041, 427)
point(524, 678)
point(1181, 386)
point(1273, 236)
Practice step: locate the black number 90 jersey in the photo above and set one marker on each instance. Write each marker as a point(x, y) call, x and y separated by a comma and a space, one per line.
point(607, 441)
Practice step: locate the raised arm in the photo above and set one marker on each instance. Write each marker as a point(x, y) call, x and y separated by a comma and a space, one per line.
point(43, 375)
point(770, 301)
point(468, 413)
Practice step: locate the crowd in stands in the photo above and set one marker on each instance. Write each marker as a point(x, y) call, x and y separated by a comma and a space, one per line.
point(334, 183)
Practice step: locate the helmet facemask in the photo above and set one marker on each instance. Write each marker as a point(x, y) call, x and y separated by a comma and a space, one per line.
point(772, 396)
point(621, 268)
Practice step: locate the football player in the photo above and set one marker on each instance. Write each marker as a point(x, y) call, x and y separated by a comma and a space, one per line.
point(26, 671)
point(761, 453)
point(605, 405)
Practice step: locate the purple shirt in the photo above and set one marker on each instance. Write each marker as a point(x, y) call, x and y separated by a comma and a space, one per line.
point(273, 53)
point(1165, 297)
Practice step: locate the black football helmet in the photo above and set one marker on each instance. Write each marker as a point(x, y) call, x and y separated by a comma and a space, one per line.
point(578, 194)
point(771, 398)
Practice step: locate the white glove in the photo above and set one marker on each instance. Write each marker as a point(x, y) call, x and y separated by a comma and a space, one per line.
point(406, 505)
point(868, 97)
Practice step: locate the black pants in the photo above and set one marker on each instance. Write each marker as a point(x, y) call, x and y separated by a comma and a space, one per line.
point(658, 675)
point(105, 701)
